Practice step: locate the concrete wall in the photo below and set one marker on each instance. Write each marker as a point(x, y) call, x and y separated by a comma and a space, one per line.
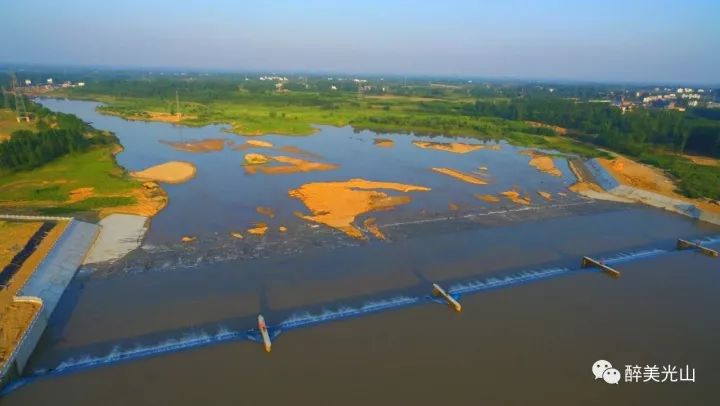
point(612, 186)
point(47, 285)
point(54, 274)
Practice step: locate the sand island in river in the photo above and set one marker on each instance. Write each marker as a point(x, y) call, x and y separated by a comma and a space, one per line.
point(260, 163)
point(542, 162)
point(207, 145)
point(465, 177)
point(169, 172)
point(454, 147)
point(337, 204)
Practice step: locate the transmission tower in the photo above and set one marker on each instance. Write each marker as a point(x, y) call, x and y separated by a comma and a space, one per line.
point(20, 110)
point(6, 99)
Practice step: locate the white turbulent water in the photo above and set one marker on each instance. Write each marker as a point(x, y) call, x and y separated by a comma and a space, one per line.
point(307, 318)
point(496, 282)
point(630, 256)
point(202, 338)
point(118, 354)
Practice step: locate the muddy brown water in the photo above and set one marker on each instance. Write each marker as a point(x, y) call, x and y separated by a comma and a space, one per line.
point(530, 343)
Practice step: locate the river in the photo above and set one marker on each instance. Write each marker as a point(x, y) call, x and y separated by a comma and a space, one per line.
point(532, 325)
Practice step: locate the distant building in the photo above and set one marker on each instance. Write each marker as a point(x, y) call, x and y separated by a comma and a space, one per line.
point(49, 81)
point(81, 84)
point(28, 82)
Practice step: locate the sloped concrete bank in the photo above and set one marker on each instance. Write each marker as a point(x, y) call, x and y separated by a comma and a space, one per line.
point(46, 286)
point(611, 185)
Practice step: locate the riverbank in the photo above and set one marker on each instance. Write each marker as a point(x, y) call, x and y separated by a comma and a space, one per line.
point(17, 315)
point(88, 184)
point(625, 180)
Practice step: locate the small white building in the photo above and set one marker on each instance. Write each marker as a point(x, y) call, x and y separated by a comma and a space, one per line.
point(49, 81)
point(28, 82)
point(81, 84)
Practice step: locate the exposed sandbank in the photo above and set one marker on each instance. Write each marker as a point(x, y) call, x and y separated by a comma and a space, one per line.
point(465, 177)
point(545, 195)
point(253, 144)
point(370, 224)
point(149, 200)
point(542, 162)
point(258, 229)
point(256, 159)
point(265, 211)
point(630, 173)
point(207, 145)
point(337, 204)
point(454, 147)
point(169, 172)
point(515, 197)
point(487, 198)
point(292, 165)
point(384, 143)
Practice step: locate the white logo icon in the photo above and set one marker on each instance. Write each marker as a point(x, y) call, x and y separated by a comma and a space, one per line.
point(599, 367)
point(611, 376)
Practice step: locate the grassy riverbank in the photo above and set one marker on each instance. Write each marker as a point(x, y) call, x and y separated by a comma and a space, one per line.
point(565, 124)
point(298, 113)
point(56, 164)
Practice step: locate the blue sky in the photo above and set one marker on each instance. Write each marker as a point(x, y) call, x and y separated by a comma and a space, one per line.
point(609, 40)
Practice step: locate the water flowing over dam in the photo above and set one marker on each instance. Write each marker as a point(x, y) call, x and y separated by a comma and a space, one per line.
point(303, 319)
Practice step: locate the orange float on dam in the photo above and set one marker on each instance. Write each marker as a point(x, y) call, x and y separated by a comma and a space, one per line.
point(264, 333)
point(438, 291)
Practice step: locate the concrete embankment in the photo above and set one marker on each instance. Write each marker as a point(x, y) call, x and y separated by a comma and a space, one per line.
point(120, 234)
point(46, 286)
point(612, 186)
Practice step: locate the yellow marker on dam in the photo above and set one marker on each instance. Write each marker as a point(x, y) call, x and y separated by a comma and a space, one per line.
point(438, 291)
point(264, 333)
point(588, 262)
point(684, 244)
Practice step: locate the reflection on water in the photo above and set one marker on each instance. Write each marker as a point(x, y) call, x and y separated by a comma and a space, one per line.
point(222, 198)
point(519, 341)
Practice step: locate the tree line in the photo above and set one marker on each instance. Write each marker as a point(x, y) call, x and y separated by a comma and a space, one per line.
point(695, 131)
point(56, 134)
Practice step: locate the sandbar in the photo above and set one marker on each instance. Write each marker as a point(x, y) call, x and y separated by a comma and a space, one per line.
point(169, 172)
point(384, 143)
point(258, 229)
point(542, 162)
point(370, 224)
point(465, 177)
point(515, 197)
point(337, 204)
point(487, 198)
point(207, 145)
point(545, 195)
point(292, 165)
point(454, 147)
point(265, 211)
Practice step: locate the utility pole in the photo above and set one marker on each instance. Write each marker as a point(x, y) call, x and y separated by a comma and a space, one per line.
point(6, 99)
point(22, 114)
point(177, 105)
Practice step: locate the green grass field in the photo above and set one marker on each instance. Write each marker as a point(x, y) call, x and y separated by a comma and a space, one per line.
point(299, 113)
point(9, 124)
point(47, 188)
